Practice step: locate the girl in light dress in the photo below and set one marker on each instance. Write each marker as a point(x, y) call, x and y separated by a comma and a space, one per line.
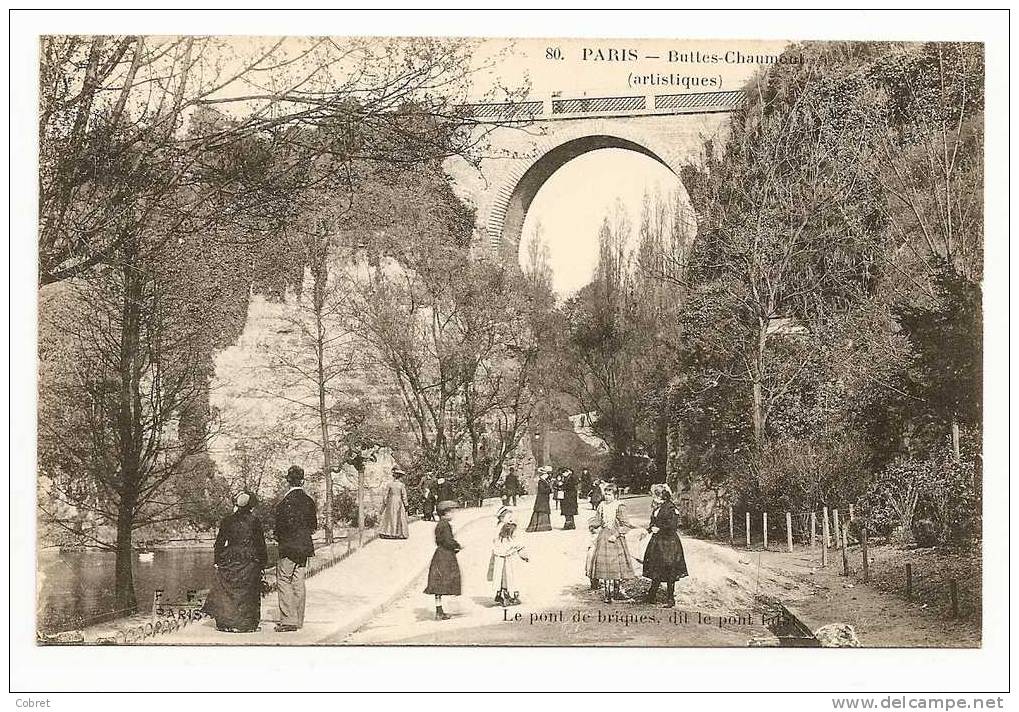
point(507, 552)
point(610, 561)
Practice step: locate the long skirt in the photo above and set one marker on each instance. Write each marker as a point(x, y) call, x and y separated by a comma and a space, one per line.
point(664, 559)
point(394, 523)
point(235, 596)
point(502, 573)
point(540, 522)
point(610, 559)
point(443, 574)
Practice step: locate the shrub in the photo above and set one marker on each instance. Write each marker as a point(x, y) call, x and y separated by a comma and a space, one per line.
point(925, 533)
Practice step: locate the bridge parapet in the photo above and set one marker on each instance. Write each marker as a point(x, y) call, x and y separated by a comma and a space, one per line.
point(608, 106)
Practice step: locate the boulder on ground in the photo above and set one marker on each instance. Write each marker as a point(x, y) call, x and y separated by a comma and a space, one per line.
point(837, 635)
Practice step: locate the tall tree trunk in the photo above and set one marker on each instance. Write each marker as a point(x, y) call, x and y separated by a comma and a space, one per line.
point(320, 277)
point(129, 412)
point(662, 439)
point(124, 573)
point(327, 469)
point(956, 454)
point(758, 392)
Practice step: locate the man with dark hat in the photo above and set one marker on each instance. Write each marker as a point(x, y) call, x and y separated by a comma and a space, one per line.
point(296, 520)
point(569, 502)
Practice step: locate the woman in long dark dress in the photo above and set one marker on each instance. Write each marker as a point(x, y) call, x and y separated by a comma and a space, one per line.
point(444, 570)
point(235, 598)
point(663, 558)
point(541, 520)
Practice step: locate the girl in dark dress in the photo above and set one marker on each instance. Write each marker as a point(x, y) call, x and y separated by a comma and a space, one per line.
point(541, 520)
point(235, 598)
point(663, 559)
point(444, 571)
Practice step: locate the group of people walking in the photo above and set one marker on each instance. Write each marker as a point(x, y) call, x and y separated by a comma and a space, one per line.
point(609, 561)
point(240, 550)
point(239, 556)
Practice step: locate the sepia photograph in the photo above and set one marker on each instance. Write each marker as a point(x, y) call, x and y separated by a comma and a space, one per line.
point(509, 342)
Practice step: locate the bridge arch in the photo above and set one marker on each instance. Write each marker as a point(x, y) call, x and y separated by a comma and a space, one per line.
point(524, 180)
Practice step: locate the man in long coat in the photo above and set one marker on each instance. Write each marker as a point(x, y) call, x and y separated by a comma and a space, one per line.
point(296, 520)
point(569, 501)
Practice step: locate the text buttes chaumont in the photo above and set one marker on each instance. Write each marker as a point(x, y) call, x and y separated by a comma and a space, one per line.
point(590, 54)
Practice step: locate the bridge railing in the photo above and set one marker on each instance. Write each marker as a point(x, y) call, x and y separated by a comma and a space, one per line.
point(586, 107)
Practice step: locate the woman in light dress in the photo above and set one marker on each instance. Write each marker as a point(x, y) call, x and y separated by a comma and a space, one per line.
point(393, 522)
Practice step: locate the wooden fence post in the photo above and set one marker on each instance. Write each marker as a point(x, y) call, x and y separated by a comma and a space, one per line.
point(826, 536)
point(835, 526)
point(714, 525)
point(851, 515)
point(866, 562)
point(845, 555)
point(909, 582)
point(826, 531)
point(732, 538)
point(748, 530)
point(789, 530)
point(764, 526)
point(813, 529)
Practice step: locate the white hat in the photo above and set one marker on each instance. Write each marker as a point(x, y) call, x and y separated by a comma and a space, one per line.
point(242, 499)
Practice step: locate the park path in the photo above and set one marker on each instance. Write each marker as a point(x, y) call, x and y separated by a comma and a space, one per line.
point(722, 581)
point(346, 595)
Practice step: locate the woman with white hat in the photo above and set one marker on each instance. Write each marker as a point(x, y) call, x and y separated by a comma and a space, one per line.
point(393, 521)
point(235, 598)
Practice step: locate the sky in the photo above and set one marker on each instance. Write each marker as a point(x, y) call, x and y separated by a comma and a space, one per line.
point(590, 184)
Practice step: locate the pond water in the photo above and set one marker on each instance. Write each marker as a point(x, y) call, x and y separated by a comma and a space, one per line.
point(76, 588)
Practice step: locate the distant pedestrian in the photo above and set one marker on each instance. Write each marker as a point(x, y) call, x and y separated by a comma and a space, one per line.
point(611, 562)
point(584, 489)
point(444, 489)
point(393, 521)
point(296, 521)
point(444, 571)
point(569, 502)
point(506, 552)
point(235, 598)
point(597, 495)
point(663, 558)
point(428, 498)
point(511, 488)
point(540, 517)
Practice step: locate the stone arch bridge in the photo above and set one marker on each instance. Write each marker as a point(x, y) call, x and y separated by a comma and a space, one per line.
point(531, 140)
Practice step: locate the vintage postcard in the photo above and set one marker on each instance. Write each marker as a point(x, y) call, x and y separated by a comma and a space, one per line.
point(412, 341)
